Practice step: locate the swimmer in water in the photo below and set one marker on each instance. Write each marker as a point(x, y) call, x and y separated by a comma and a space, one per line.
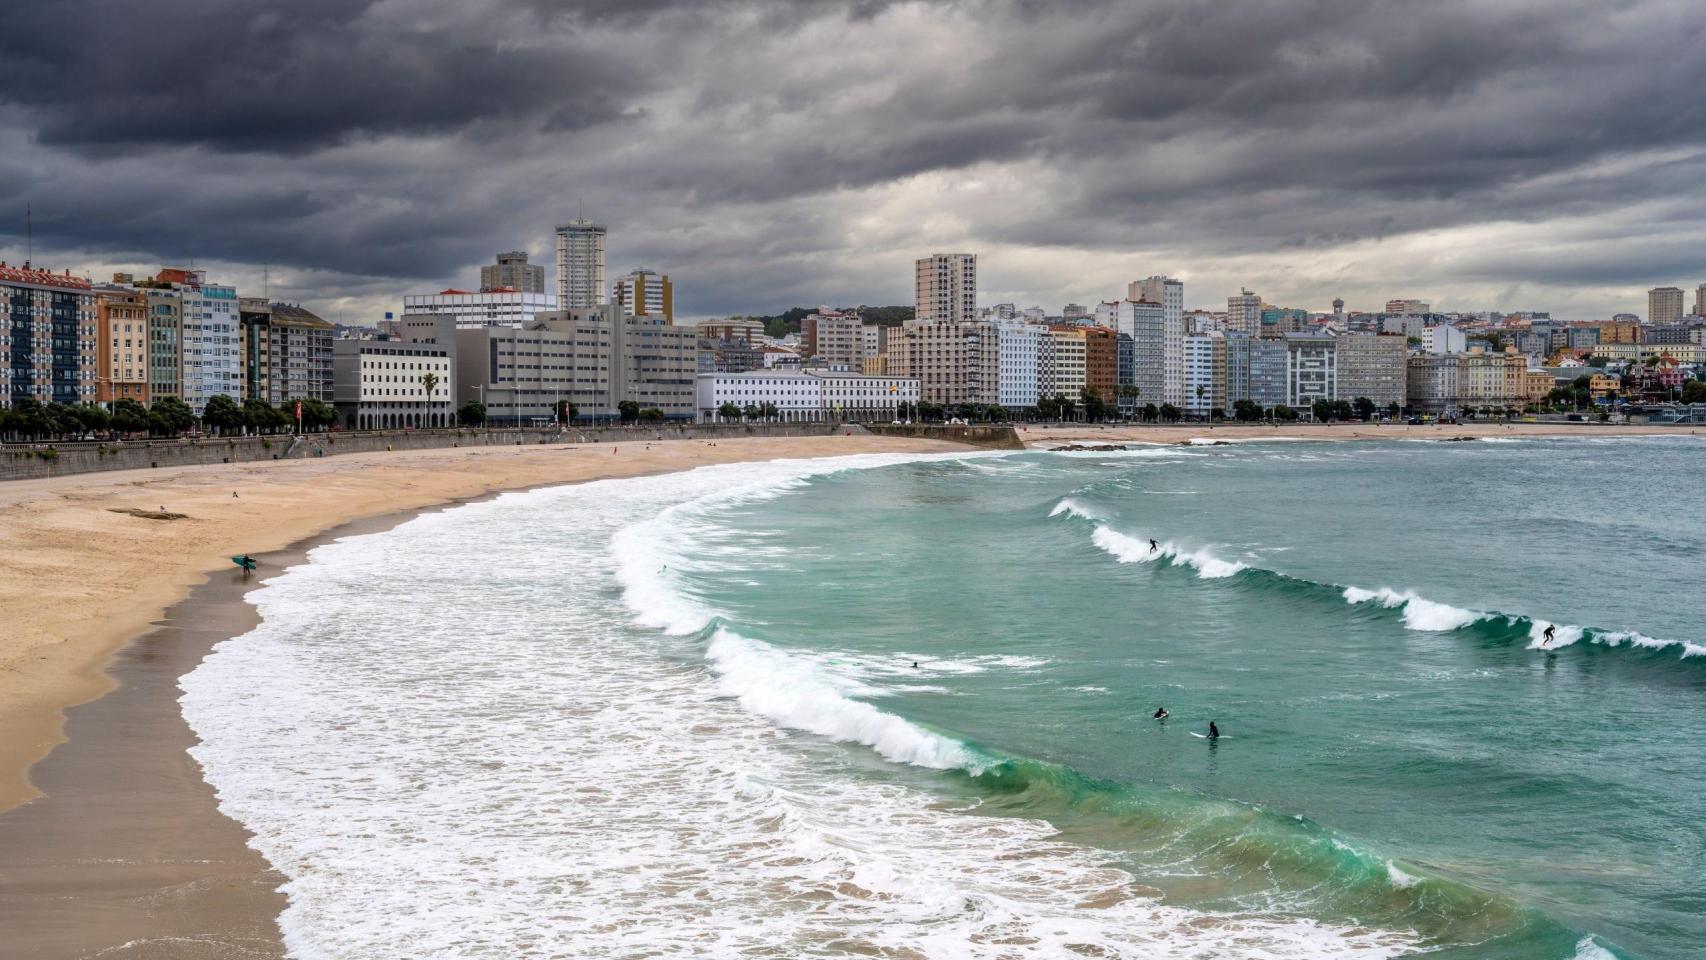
point(1160, 713)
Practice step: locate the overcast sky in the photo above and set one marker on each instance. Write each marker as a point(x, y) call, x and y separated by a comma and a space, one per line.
point(1505, 155)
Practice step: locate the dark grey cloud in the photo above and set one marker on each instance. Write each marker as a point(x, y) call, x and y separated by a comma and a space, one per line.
point(764, 151)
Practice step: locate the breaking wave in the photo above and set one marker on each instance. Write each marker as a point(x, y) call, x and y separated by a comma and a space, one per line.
point(1416, 612)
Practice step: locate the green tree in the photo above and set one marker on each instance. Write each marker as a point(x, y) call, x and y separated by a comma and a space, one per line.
point(1048, 408)
point(1693, 391)
point(1095, 408)
point(471, 414)
point(129, 416)
point(1150, 413)
point(930, 411)
point(729, 410)
point(1285, 413)
point(996, 413)
point(94, 418)
point(174, 416)
point(768, 411)
point(63, 419)
point(1170, 413)
point(1068, 406)
point(629, 410)
point(1364, 408)
point(1342, 410)
point(1246, 411)
point(1322, 410)
point(429, 383)
point(651, 415)
point(1393, 409)
point(222, 413)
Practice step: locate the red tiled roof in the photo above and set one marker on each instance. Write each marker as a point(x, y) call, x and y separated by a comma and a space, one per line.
point(42, 278)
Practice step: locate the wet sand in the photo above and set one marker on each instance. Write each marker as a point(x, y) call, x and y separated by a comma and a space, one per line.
point(122, 852)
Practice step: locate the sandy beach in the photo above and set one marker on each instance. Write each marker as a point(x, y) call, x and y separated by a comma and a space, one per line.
point(123, 852)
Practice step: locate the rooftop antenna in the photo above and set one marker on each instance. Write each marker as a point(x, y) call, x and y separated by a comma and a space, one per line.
point(29, 236)
point(266, 282)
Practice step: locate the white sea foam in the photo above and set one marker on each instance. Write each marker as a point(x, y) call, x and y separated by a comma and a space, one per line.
point(1074, 508)
point(1587, 949)
point(1398, 877)
point(1419, 613)
point(1129, 549)
point(500, 764)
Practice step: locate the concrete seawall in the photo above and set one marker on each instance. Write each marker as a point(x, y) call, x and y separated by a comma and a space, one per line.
point(37, 461)
point(977, 435)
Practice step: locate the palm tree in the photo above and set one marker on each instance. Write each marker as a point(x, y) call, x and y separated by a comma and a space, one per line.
point(429, 382)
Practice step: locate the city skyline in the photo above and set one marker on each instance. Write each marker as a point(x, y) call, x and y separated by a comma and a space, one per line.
point(1504, 157)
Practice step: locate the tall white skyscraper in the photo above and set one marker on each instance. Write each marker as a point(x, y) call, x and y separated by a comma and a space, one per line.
point(580, 265)
point(1170, 294)
point(947, 288)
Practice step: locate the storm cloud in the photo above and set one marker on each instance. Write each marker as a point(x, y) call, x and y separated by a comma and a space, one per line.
point(1541, 155)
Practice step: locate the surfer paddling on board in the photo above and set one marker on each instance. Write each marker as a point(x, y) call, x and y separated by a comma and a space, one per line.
point(1160, 713)
point(1546, 635)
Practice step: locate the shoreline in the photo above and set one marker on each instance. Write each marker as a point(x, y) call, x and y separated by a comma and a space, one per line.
point(80, 579)
point(119, 849)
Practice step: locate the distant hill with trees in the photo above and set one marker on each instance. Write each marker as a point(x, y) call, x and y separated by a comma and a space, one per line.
point(788, 321)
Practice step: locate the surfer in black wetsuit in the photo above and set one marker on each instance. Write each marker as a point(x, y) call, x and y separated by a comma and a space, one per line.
point(1546, 635)
point(1153, 546)
point(1160, 713)
point(1213, 731)
point(915, 664)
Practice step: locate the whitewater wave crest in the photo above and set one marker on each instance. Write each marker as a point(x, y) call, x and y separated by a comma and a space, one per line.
point(1128, 549)
point(1417, 612)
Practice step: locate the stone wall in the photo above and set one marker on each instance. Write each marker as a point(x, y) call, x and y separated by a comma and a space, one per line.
point(20, 461)
point(976, 435)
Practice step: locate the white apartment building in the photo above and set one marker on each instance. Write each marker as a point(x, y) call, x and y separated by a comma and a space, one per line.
point(1407, 307)
point(383, 384)
point(213, 356)
point(954, 363)
point(873, 339)
point(1664, 305)
point(494, 308)
point(1311, 370)
point(1244, 314)
point(580, 264)
point(852, 395)
point(1205, 373)
point(834, 337)
point(805, 396)
point(946, 288)
point(1061, 362)
point(1108, 314)
point(1018, 346)
point(1444, 338)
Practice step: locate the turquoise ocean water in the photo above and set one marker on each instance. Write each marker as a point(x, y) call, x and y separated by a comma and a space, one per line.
point(1396, 762)
point(679, 715)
